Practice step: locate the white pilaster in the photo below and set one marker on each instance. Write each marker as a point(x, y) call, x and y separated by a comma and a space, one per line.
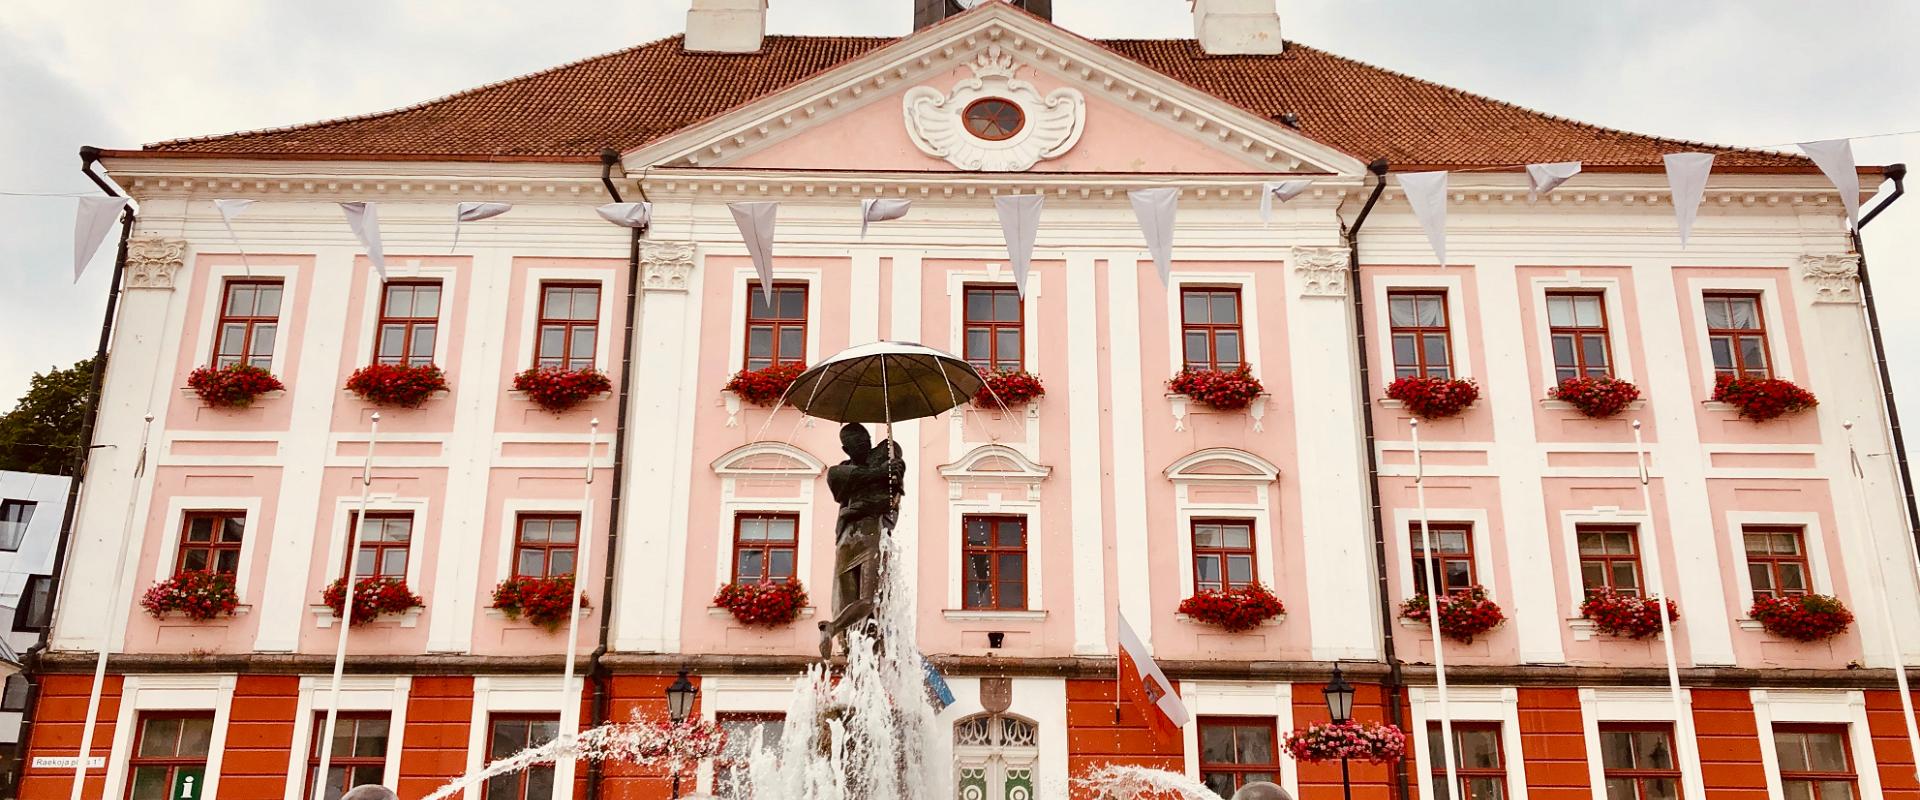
point(1131, 538)
point(1090, 609)
point(905, 326)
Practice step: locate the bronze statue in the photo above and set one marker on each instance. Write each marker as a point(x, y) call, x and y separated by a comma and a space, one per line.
point(868, 486)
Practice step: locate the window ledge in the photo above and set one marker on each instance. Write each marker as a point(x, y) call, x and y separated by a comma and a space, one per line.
point(1551, 404)
point(1271, 622)
point(1750, 625)
point(1715, 405)
point(986, 615)
point(1584, 630)
point(521, 394)
point(494, 613)
point(806, 612)
point(238, 611)
point(441, 394)
point(410, 618)
point(189, 393)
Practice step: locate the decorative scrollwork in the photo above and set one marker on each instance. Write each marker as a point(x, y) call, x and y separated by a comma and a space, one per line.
point(668, 265)
point(1322, 271)
point(1835, 276)
point(1053, 122)
point(152, 261)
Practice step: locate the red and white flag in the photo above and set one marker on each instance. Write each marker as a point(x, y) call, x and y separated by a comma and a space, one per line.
point(1143, 684)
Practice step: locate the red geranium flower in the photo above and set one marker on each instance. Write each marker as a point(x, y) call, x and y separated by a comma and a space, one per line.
point(397, 385)
point(763, 604)
point(544, 601)
point(1377, 742)
point(556, 389)
point(199, 595)
point(765, 386)
point(1226, 390)
point(1625, 615)
point(371, 598)
point(1762, 399)
point(1011, 387)
point(232, 386)
point(1803, 617)
point(1434, 398)
point(1596, 397)
point(1463, 615)
point(1236, 609)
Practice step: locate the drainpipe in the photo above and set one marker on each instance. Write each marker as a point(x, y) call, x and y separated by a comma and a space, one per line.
point(1395, 680)
point(596, 668)
point(88, 157)
point(1898, 174)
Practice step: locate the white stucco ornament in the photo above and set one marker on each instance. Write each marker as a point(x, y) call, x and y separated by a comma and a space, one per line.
point(1047, 126)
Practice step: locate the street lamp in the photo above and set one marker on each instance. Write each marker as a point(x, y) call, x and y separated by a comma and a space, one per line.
point(1339, 696)
point(680, 697)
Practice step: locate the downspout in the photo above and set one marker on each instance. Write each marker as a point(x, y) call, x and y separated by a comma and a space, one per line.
point(1396, 682)
point(596, 668)
point(88, 157)
point(1898, 174)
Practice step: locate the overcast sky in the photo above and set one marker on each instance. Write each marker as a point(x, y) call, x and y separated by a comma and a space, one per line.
point(1749, 72)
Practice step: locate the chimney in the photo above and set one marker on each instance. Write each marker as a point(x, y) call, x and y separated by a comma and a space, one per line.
point(928, 12)
point(1237, 27)
point(726, 26)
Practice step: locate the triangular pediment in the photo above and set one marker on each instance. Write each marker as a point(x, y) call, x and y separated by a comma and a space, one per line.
point(1077, 108)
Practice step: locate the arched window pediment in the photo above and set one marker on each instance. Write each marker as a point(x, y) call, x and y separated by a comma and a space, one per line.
point(995, 464)
point(1223, 464)
point(768, 458)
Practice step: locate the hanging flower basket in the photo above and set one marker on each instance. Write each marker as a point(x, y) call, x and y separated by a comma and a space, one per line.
point(1762, 399)
point(1803, 617)
point(1241, 608)
point(371, 598)
point(543, 601)
point(1434, 398)
point(1376, 742)
point(1012, 387)
point(1463, 615)
point(679, 745)
point(397, 385)
point(198, 595)
point(767, 605)
point(1625, 615)
point(1226, 390)
point(1598, 398)
point(765, 386)
point(556, 389)
point(232, 386)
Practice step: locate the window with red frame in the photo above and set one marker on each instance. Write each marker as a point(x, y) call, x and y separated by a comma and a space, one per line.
point(1577, 323)
point(359, 755)
point(1638, 763)
point(1236, 751)
point(1816, 762)
point(1777, 560)
point(994, 551)
point(1737, 335)
point(508, 734)
point(169, 749)
point(545, 544)
point(1480, 760)
point(1422, 343)
point(1452, 556)
point(409, 322)
point(776, 331)
point(745, 731)
point(385, 538)
point(1609, 557)
point(1210, 328)
point(765, 546)
point(1223, 554)
point(569, 325)
point(995, 328)
point(249, 323)
point(211, 540)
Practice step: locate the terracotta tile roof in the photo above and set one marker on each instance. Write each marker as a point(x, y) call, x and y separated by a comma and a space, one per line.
point(631, 97)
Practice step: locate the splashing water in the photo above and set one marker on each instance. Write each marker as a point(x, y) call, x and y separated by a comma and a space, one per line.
point(1126, 782)
point(636, 741)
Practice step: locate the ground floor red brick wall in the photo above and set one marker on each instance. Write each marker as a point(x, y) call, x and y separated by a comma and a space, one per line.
point(1370, 781)
point(434, 743)
point(260, 737)
point(1553, 741)
point(1098, 735)
point(59, 719)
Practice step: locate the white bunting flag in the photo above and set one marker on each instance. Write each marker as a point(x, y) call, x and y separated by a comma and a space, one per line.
point(627, 215)
point(474, 212)
point(1020, 224)
point(228, 210)
point(91, 221)
point(1687, 177)
point(1281, 191)
point(1427, 193)
point(756, 227)
point(364, 219)
point(1154, 209)
point(1834, 157)
point(881, 210)
point(1544, 178)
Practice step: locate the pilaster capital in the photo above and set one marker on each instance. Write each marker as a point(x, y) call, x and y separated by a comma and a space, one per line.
point(1835, 276)
point(1322, 271)
point(152, 261)
point(666, 266)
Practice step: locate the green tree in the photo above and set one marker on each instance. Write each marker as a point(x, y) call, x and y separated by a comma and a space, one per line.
point(42, 432)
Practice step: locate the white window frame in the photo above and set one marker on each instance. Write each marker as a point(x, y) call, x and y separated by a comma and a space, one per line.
point(1239, 699)
point(1808, 521)
point(178, 506)
point(374, 296)
point(1405, 520)
point(1847, 708)
point(340, 535)
point(1611, 297)
point(743, 277)
point(357, 693)
point(1570, 522)
point(1602, 705)
point(510, 511)
point(1778, 353)
point(805, 471)
point(740, 694)
point(216, 296)
point(1458, 343)
point(1249, 314)
point(1025, 504)
point(1470, 704)
point(1042, 701)
point(522, 694)
point(1262, 476)
point(530, 307)
point(958, 279)
point(182, 692)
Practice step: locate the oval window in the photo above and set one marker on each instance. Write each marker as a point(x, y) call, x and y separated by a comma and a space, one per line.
point(994, 119)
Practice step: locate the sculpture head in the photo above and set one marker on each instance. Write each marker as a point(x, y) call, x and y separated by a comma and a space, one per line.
point(1261, 790)
point(370, 791)
point(855, 440)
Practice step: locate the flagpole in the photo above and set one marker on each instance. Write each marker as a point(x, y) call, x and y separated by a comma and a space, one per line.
point(1433, 613)
point(584, 549)
point(106, 627)
point(346, 614)
point(1656, 587)
point(1886, 607)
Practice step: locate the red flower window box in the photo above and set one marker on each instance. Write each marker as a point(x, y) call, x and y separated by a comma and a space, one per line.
point(543, 601)
point(557, 389)
point(1802, 618)
point(1241, 608)
point(1598, 398)
point(198, 595)
point(232, 386)
point(1626, 615)
point(766, 605)
point(1012, 388)
point(765, 386)
point(1226, 390)
point(1322, 742)
point(1434, 398)
point(372, 597)
point(1463, 615)
point(397, 385)
point(1762, 399)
